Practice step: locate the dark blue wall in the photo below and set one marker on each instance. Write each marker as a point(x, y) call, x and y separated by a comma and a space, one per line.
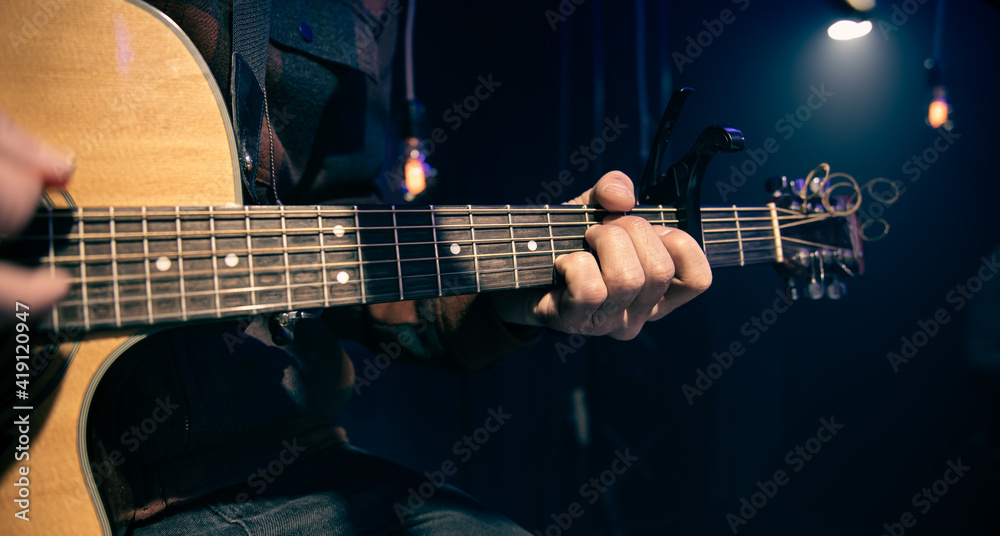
point(821, 360)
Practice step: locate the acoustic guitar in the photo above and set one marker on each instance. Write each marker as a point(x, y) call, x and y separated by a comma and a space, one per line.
point(155, 234)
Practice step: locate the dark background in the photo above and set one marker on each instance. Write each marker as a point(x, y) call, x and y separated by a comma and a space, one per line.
point(824, 359)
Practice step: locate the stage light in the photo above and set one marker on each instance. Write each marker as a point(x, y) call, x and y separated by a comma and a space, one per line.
point(843, 30)
point(937, 112)
point(862, 5)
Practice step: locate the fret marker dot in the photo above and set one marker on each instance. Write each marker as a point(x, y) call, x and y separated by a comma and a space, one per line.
point(338, 231)
point(232, 260)
point(532, 245)
point(163, 264)
point(343, 277)
point(455, 249)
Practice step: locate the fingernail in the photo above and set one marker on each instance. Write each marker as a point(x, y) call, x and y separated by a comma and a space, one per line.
point(617, 189)
point(661, 230)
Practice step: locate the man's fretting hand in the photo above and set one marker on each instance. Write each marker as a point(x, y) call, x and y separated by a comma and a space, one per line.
point(645, 271)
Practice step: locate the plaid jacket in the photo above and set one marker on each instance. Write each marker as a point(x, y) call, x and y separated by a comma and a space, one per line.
point(328, 87)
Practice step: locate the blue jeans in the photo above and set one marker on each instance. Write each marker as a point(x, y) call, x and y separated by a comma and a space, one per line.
point(342, 491)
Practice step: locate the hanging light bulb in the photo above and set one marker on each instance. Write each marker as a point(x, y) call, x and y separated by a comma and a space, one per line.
point(937, 112)
point(415, 174)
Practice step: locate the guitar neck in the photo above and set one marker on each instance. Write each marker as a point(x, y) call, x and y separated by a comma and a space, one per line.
point(143, 266)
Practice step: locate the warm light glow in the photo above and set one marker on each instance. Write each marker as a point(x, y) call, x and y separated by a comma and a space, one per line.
point(937, 113)
point(843, 30)
point(862, 5)
point(416, 181)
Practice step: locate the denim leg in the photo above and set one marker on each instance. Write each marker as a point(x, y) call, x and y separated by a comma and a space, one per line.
point(343, 491)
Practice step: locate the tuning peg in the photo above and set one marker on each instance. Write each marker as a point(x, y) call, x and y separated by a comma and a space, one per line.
point(836, 288)
point(815, 290)
point(791, 291)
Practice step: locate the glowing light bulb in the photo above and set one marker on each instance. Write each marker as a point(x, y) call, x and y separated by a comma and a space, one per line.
point(843, 30)
point(937, 112)
point(416, 179)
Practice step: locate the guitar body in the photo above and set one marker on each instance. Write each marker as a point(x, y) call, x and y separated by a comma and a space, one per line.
point(119, 85)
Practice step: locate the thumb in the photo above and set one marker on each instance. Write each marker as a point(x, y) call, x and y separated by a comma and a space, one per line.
point(614, 192)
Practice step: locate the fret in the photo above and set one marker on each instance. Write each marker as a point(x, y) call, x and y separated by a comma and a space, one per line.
point(475, 250)
point(739, 235)
point(399, 262)
point(180, 263)
point(145, 253)
point(513, 248)
point(437, 254)
point(52, 266)
point(114, 268)
point(322, 257)
point(253, 284)
point(552, 239)
point(777, 234)
point(361, 259)
point(284, 254)
point(83, 273)
point(215, 263)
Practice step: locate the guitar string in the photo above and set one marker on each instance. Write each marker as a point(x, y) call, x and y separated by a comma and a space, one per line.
point(459, 210)
point(136, 257)
point(240, 233)
point(170, 276)
point(393, 279)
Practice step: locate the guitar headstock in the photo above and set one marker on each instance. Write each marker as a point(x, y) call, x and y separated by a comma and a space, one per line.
point(821, 238)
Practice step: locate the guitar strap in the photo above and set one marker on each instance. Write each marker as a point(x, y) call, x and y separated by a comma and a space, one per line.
point(248, 97)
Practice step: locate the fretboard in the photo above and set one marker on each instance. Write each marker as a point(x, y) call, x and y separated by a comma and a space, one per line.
point(142, 266)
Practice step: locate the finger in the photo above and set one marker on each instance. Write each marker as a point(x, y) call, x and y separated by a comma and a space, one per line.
point(52, 165)
point(613, 192)
point(37, 288)
point(620, 268)
point(20, 196)
point(692, 273)
point(657, 266)
point(572, 307)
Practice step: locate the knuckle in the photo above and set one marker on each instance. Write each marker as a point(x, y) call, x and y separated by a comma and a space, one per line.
point(702, 280)
point(614, 232)
point(634, 223)
point(661, 270)
point(632, 278)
